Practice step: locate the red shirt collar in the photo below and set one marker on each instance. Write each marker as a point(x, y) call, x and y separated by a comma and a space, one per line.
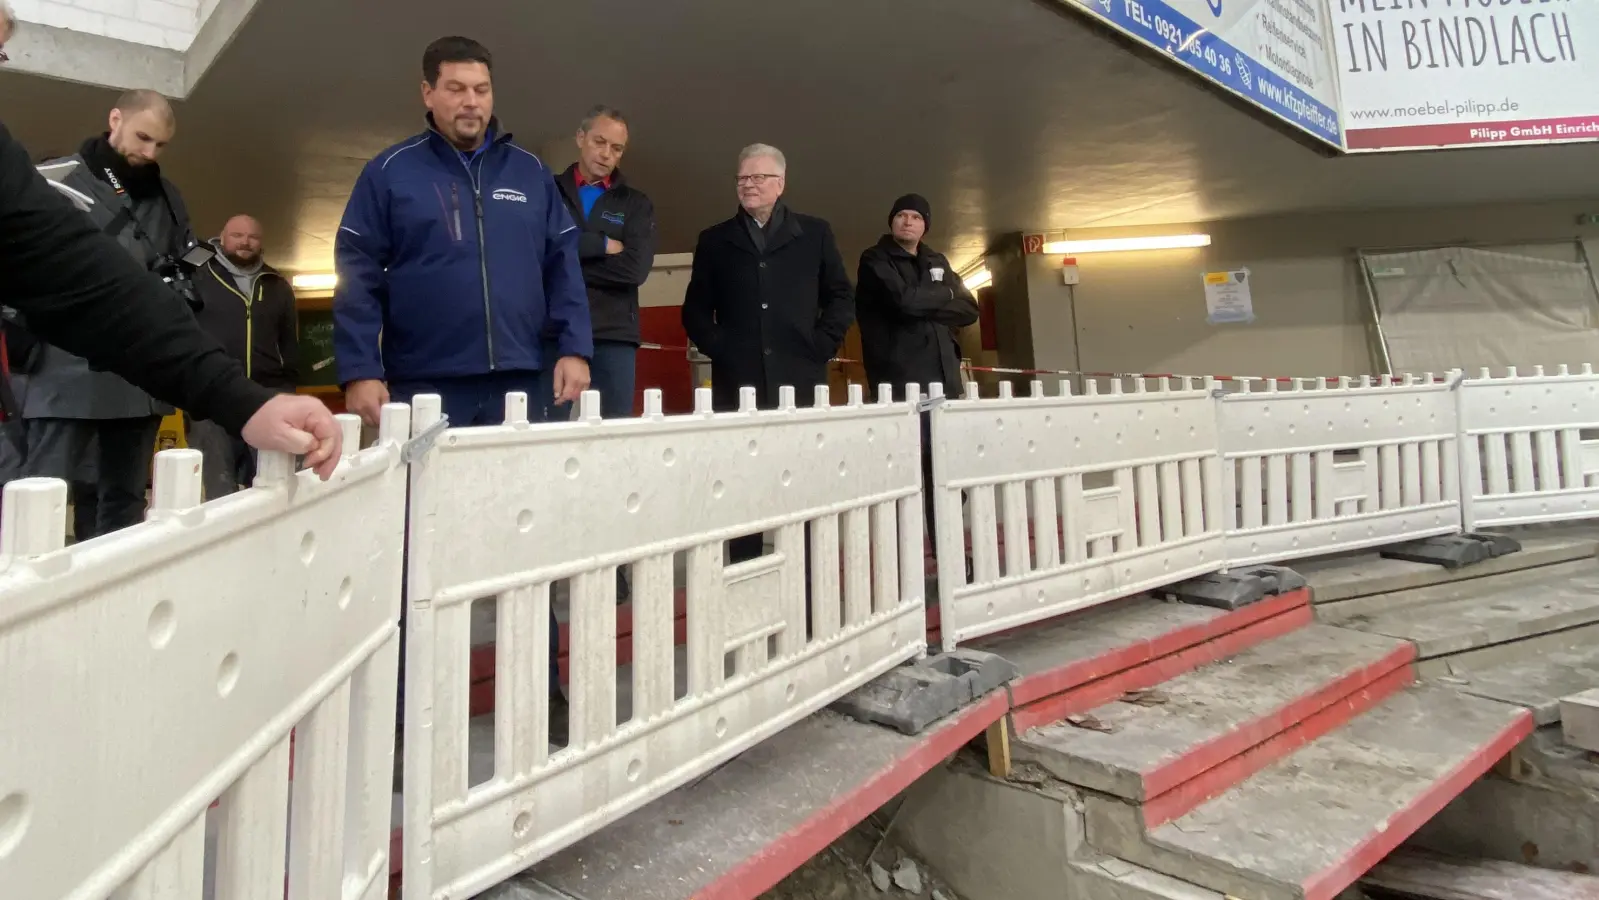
point(604, 184)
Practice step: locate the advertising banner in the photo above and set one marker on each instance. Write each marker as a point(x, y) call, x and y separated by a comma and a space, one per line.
point(1452, 73)
point(1274, 54)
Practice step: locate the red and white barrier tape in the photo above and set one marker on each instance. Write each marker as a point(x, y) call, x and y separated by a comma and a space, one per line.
point(1005, 370)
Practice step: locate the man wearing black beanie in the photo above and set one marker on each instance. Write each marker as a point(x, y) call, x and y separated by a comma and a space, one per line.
point(909, 301)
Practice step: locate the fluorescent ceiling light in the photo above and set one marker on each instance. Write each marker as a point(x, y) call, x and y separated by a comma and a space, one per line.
point(1111, 245)
point(978, 279)
point(324, 281)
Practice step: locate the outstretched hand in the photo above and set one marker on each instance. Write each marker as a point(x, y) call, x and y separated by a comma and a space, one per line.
point(301, 425)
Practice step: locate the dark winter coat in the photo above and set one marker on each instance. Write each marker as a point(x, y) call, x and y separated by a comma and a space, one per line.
point(148, 222)
point(78, 290)
point(907, 319)
point(626, 215)
point(263, 321)
point(768, 317)
point(452, 265)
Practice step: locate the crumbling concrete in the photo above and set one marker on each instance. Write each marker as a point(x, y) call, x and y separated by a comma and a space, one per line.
point(993, 838)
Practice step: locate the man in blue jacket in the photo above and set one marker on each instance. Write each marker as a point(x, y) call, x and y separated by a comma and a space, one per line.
point(455, 256)
point(455, 252)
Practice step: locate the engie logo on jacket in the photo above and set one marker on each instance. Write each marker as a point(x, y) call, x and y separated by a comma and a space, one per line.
point(511, 194)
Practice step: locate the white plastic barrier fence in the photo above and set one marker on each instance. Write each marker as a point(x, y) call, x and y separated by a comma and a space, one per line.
point(1092, 497)
point(1530, 448)
point(1339, 467)
point(153, 671)
point(506, 512)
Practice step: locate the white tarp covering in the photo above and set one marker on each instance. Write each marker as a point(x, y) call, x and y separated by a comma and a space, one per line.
point(1469, 308)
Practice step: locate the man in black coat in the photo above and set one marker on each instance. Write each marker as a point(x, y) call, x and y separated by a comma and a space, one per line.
point(768, 299)
point(910, 303)
point(617, 250)
point(89, 426)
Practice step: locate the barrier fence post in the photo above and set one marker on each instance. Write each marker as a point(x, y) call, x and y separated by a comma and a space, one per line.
point(422, 739)
point(33, 518)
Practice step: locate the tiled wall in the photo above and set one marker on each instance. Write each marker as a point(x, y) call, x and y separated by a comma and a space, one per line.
point(171, 24)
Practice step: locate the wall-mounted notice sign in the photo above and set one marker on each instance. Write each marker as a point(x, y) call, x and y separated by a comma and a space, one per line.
point(1456, 73)
point(1274, 54)
point(1227, 298)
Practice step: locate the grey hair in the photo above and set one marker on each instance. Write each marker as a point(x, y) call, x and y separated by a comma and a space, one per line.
point(600, 111)
point(766, 150)
point(8, 18)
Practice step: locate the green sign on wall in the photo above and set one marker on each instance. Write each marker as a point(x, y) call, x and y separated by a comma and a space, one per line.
point(316, 349)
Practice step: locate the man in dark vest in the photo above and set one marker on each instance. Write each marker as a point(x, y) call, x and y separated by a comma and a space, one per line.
point(86, 425)
point(617, 249)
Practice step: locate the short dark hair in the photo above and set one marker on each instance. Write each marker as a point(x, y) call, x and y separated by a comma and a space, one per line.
point(601, 111)
point(139, 100)
point(453, 50)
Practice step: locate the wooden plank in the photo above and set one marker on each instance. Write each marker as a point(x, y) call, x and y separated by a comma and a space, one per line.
point(1435, 877)
point(1509, 766)
point(999, 763)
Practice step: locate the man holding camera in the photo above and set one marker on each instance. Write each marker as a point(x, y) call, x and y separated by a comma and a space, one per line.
point(86, 425)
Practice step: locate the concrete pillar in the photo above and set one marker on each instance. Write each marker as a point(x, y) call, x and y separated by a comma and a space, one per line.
point(1029, 300)
point(991, 838)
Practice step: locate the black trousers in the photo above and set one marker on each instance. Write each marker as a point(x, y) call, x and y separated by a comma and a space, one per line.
point(122, 450)
point(927, 479)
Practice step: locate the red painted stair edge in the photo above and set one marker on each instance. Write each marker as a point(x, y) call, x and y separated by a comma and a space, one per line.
point(1241, 628)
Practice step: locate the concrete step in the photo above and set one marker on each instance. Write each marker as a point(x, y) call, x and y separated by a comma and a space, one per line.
point(1418, 874)
point(1472, 616)
point(1087, 659)
point(1536, 683)
point(1108, 878)
point(1150, 745)
point(1352, 575)
point(1310, 824)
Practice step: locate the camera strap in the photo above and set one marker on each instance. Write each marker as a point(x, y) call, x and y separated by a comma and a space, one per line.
point(125, 213)
point(122, 219)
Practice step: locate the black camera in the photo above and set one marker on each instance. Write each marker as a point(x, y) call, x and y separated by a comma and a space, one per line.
point(177, 271)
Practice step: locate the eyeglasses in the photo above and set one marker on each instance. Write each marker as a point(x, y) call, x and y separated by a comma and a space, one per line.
point(756, 180)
